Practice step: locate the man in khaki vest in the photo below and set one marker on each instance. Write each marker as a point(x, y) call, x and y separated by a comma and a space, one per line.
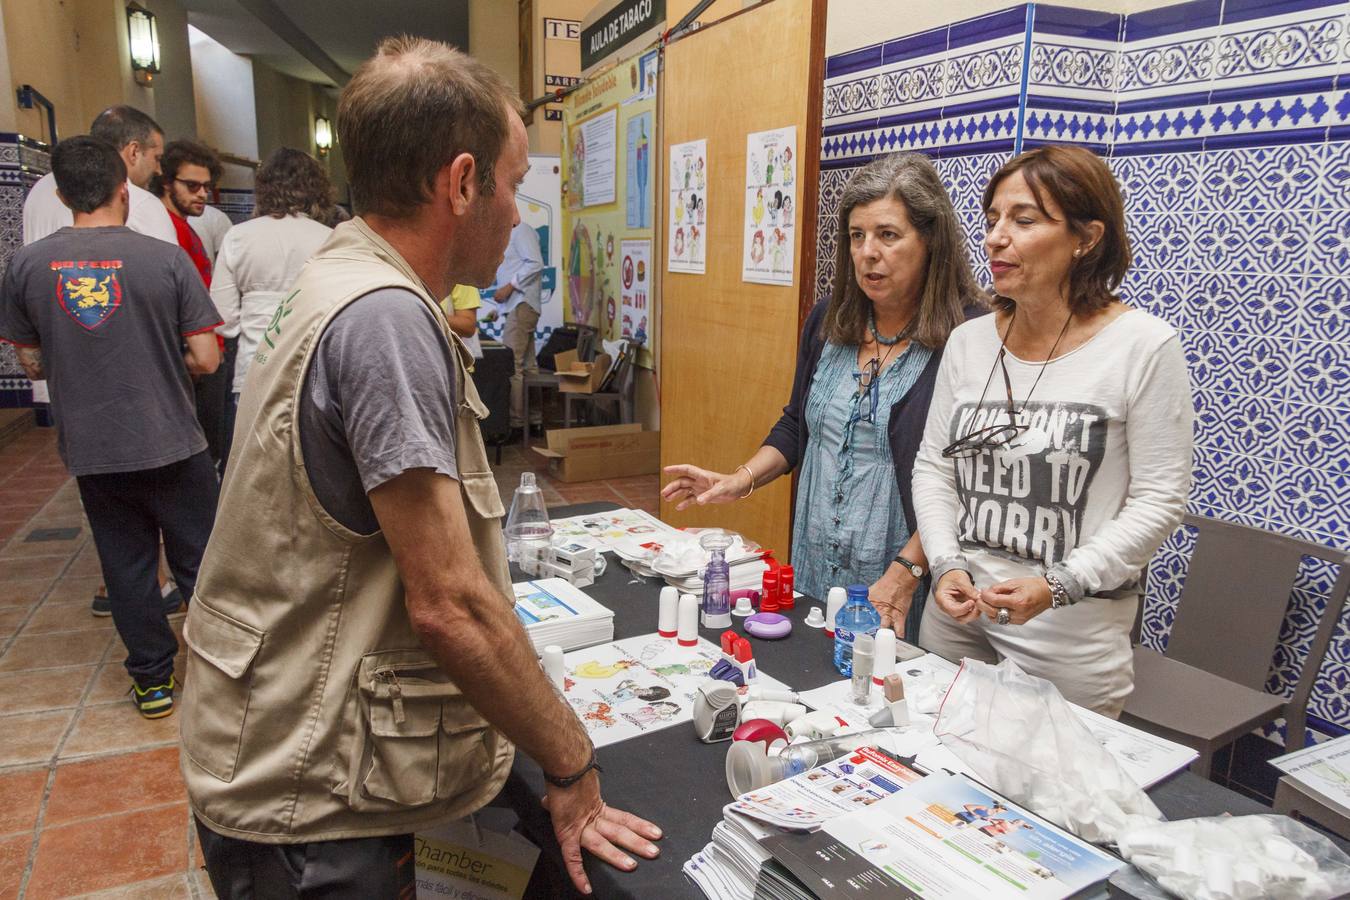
point(355, 670)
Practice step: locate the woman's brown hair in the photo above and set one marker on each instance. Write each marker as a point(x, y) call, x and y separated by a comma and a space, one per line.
point(948, 284)
point(291, 183)
point(1081, 185)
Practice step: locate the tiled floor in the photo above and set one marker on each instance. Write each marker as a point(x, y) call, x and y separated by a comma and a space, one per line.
point(91, 802)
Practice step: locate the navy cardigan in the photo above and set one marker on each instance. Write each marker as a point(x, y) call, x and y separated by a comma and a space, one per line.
point(908, 415)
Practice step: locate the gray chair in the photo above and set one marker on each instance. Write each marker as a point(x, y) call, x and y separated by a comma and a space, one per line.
point(616, 392)
point(1209, 688)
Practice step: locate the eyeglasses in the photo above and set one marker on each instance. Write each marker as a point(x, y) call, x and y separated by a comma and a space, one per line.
point(194, 187)
point(868, 390)
point(990, 437)
point(993, 437)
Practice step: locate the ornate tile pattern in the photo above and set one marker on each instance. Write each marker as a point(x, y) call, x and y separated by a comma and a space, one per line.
point(1230, 139)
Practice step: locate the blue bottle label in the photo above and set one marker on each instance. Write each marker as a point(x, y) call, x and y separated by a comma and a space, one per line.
point(843, 634)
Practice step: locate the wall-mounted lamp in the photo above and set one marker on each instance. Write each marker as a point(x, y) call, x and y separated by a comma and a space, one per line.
point(323, 135)
point(143, 38)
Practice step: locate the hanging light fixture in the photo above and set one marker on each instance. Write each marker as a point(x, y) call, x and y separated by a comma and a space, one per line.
point(323, 135)
point(143, 39)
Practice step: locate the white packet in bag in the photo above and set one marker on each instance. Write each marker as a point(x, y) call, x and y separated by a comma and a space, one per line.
point(1023, 739)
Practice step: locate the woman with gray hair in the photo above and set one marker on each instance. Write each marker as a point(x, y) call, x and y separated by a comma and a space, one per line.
point(865, 375)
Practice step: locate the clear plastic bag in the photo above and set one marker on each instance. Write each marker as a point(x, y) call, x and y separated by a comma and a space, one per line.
point(1020, 736)
point(1238, 857)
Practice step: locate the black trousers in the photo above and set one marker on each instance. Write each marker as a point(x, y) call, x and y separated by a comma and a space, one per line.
point(127, 512)
point(213, 396)
point(377, 868)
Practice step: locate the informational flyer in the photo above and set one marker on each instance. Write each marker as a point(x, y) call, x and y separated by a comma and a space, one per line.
point(479, 856)
point(635, 280)
point(1324, 768)
point(595, 155)
point(806, 801)
point(946, 837)
point(638, 165)
point(686, 231)
point(627, 688)
point(770, 206)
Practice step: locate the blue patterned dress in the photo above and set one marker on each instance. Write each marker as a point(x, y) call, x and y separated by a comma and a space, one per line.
point(849, 523)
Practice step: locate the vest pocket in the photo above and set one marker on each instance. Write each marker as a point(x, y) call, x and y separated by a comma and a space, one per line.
point(219, 679)
point(417, 739)
point(483, 495)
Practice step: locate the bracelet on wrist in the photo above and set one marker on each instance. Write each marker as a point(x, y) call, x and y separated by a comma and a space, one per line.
point(566, 781)
point(752, 481)
point(1059, 594)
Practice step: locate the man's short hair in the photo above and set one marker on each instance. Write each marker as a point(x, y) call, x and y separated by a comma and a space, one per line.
point(185, 153)
point(122, 125)
point(408, 112)
point(88, 170)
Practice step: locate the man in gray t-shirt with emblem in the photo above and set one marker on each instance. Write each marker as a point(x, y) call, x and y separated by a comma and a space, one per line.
point(104, 313)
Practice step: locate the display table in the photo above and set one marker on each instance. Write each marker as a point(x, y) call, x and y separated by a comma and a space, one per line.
point(674, 780)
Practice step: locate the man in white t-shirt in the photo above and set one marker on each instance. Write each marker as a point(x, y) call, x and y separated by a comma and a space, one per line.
point(140, 141)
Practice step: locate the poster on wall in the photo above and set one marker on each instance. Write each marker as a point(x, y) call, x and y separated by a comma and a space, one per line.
point(594, 154)
point(770, 206)
point(639, 164)
point(617, 110)
point(687, 206)
point(635, 276)
point(539, 201)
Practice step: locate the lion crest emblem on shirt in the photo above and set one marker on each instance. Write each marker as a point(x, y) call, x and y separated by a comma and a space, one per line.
point(89, 291)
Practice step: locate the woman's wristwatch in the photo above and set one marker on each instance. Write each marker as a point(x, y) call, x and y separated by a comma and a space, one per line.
point(1059, 594)
point(914, 568)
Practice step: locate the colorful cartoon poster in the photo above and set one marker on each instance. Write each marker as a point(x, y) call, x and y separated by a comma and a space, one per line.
point(635, 278)
point(640, 684)
point(539, 201)
point(688, 207)
point(639, 167)
point(594, 228)
point(770, 206)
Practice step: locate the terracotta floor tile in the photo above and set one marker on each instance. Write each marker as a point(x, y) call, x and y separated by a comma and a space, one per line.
point(23, 797)
point(117, 726)
point(93, 855)
point(66, 615)
point(75, 587)
point(43, 651)
point(111, 683)
point(24, 592)
point(22, 549)
point(111, 785)
point(86, 563)
point(32, 737)
point(587, 492)
point(18, 512)
point(170, 887)
point(11, 617)
point(13, 860)
point(8, 530)
point(44, 689)
point(32, 569)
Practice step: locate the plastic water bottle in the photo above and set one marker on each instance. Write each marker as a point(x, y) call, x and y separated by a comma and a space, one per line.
point(857, 616)
point(528, 530)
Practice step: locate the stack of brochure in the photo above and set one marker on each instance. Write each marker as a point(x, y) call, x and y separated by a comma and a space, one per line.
point(555, 612)
point(869, 825)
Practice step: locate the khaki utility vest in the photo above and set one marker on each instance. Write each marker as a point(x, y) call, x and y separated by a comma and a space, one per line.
point(309, 709)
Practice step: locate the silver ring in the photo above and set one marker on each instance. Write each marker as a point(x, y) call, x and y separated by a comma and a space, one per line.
point(1003, 617)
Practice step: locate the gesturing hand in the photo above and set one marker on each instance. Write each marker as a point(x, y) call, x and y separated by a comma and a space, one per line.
point(891, 595)
point(955, 595)
point(691, 484)
point(581, 820)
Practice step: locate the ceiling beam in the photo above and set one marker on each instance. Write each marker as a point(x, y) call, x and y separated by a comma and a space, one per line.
point(270, 15)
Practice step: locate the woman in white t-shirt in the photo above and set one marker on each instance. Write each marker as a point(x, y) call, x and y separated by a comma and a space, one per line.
point(260, 259)
point(1057, 452)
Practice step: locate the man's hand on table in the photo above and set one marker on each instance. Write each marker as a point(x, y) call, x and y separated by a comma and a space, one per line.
point(891, 595)
point(581, 820)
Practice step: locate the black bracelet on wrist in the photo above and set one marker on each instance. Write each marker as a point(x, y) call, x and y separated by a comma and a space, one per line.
point(567, 781)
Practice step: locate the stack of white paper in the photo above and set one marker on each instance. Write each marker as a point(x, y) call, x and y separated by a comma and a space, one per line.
point(555, 612)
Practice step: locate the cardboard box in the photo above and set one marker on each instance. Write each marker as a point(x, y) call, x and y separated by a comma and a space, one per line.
point(606, 451)
point(577, 377)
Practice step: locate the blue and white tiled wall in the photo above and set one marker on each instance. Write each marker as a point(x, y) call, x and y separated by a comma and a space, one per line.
point(1227, 124)
point(22, 162)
